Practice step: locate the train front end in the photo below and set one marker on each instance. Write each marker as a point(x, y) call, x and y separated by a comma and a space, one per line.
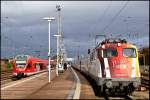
point(19, 66)
point(120, 69)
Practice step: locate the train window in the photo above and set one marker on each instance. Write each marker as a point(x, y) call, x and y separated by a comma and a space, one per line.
point(109, 52)
point(21, 57)
point(129, 52)
point(20, 65)
point(37, 66)
point(29, 66)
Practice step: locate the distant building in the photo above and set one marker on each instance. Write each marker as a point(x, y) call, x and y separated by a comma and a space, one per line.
point(144, 56)
point(70, 59)
point(4, 64)
point(3, 61)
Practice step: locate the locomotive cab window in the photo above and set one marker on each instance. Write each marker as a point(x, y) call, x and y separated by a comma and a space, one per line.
point(20, 65)
point(109, 52)
point(129, 52)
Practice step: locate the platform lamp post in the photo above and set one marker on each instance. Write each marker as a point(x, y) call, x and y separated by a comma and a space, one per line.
point(49, 19)
point(57, 36)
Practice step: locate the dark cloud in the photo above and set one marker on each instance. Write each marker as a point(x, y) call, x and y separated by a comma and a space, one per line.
point(23, 26)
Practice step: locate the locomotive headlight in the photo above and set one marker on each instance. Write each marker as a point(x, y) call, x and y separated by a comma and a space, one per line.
point(119, 44)
point(103, 46)
point(109, 84)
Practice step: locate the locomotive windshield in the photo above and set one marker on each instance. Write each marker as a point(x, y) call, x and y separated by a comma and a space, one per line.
point(109, 52)
point(129, 52)
point(20, 65)
point(21, 61)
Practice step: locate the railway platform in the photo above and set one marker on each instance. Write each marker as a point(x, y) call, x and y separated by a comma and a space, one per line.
point(68, 85)
point(37, 87)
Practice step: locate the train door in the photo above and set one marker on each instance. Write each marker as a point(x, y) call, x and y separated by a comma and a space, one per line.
point(37, 66)
point(65, 66)
point(60, 68)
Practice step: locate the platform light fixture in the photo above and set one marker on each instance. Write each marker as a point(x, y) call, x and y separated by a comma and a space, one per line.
point(49, 19)
point(57, 53)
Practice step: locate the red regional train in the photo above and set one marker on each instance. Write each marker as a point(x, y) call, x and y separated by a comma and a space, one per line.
point(113, 66)
point(25, 65)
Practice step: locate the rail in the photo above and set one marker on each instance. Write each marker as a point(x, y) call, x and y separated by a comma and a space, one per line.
point(5, 75)
point(145, 80)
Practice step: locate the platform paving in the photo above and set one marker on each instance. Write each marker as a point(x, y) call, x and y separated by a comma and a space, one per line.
point(39, 88)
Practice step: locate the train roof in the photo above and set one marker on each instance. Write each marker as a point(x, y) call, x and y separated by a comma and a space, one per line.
point(113, 42)
point(22, 56)
point(34, 59)
point(25, 57)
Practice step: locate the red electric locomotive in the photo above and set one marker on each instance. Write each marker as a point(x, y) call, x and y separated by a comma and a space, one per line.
point(113, 65)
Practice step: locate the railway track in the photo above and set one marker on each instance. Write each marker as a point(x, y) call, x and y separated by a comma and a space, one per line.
point(115, 98)
point(145, 80)
point(6, 72)
point(5, 75)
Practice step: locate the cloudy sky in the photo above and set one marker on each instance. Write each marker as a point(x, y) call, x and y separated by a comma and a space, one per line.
point(23, 29)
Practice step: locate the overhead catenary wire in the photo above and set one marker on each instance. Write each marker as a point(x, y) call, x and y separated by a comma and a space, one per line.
point(101, 17)
point(13, 41)
point(114, 18)
point(99, 21)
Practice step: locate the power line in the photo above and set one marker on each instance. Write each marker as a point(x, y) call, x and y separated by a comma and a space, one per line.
point(102, 16)
point(114, 18)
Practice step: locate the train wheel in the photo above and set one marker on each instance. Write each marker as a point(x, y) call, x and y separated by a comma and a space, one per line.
point(25, 76)
point(14, 78)
point(99, 93)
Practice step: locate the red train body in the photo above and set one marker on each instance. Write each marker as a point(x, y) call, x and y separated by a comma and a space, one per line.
point(25, 65)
